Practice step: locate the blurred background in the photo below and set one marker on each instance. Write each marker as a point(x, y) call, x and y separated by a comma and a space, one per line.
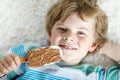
point(23, 21)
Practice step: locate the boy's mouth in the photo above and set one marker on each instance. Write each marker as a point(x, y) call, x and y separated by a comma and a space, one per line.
point(68, 47)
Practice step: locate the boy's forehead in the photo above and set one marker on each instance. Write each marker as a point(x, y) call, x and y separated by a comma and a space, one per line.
point(77, 19)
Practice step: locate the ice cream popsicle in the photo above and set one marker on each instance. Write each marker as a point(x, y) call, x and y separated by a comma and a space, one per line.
point(43, 56)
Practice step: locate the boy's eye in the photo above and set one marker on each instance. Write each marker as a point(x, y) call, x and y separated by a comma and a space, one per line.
point(81, 33)
point(62, 30)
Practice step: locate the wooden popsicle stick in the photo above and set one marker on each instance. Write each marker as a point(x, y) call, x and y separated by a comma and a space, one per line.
point(22, 59)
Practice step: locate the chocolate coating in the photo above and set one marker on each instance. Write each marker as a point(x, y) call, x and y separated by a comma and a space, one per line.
point(42, 56)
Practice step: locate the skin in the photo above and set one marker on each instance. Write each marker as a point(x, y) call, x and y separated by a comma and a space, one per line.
point(111, 50)
point(74, 36)
point(9, 63)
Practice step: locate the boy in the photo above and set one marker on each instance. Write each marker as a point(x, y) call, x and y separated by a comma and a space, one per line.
point(78, 27)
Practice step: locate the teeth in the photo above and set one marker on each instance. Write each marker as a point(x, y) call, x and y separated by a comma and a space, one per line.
point(68, 47)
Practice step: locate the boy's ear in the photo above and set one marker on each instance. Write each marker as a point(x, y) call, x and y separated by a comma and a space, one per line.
point(93, 47)
point(49, 37)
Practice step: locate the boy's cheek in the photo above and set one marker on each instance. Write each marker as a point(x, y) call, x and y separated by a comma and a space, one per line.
point(55, 37)
point(49, 37)
point(52, 40)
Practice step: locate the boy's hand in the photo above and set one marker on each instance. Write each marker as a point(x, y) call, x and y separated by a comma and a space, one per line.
point(111, 50)
point(8, 63)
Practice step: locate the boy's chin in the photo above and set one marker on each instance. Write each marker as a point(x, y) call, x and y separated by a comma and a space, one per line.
point(70, 60)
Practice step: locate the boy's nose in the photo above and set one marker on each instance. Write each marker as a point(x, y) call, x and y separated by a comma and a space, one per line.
point(68, 38)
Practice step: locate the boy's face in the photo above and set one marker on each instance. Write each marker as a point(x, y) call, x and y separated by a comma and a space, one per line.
point(75, 37)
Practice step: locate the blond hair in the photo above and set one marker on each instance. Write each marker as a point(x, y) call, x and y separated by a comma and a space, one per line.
point(88, 8)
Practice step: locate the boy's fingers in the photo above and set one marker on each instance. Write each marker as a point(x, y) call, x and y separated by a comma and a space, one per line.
point(6, 65)
point(10, 62)
point(16, 59)
point(1, 74)
point(3, 70)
